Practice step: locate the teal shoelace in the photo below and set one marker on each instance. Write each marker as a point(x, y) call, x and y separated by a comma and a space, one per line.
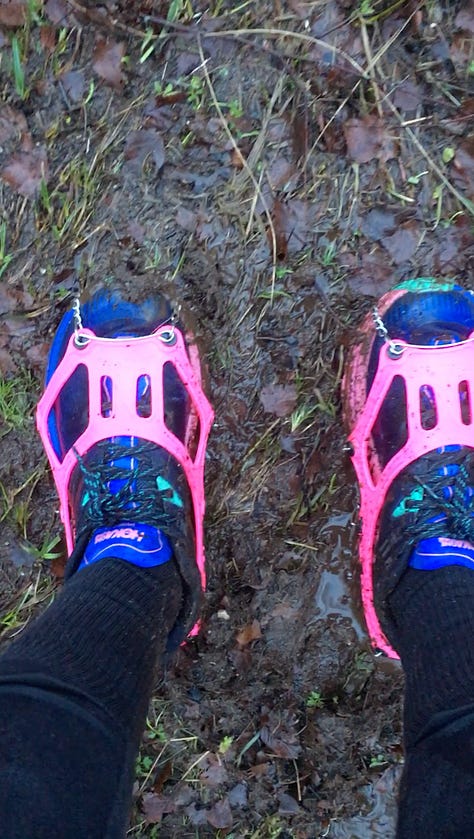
point(124, 483)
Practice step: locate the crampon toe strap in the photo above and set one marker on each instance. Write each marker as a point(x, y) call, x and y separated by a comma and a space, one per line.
point(435, 400)
point(118, 367)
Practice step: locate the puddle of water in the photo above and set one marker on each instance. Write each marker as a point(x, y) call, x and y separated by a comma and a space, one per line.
point(336, 595)
point(334, 598)
point(19, 555)
point(381, 820)
point(337, 520)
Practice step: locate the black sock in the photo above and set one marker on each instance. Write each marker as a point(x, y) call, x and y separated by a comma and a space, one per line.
point(74, 691)
point(433, 613)
point(433, 619)
point(102, 637)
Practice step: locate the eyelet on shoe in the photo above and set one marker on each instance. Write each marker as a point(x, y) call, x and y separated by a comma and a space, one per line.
point(81, 341)
point(395, 350)
point(168, 336)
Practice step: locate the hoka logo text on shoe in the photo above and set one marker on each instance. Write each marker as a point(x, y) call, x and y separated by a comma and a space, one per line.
point(445, 542)
point(120, 533)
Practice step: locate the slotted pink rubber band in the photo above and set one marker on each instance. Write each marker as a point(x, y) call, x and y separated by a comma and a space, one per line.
point(443, 369)
point(113, 358)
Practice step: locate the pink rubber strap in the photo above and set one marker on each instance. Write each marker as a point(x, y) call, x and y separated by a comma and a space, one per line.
point(106, 357)
point(443, 369)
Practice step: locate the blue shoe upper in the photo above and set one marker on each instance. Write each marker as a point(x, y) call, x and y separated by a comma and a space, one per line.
point(108, 315)
point(434, 498)
point(124, 479)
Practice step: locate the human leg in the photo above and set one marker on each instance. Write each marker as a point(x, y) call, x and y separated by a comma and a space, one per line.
point(125, 425)
point(433, 616)
point(74, 692)
point(409, 410)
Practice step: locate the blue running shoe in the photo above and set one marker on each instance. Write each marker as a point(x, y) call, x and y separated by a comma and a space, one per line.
point(408, 403)
point(125, 424)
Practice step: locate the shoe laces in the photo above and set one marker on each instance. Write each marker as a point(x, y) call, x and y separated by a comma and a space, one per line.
point(123, 483)
point(441, 503)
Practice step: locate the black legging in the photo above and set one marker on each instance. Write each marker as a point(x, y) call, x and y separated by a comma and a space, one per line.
point(74, 690)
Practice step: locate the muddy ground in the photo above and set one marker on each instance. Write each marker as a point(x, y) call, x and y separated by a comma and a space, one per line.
point(273, 167)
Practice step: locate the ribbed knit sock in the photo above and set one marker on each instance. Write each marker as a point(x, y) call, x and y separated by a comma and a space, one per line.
point(74, 692)
point(101, 638)
point(433, 613)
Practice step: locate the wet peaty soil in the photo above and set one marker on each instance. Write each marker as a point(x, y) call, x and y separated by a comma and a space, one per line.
point(273, 167)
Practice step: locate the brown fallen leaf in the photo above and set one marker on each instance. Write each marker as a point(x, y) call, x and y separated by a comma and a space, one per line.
point(259, 770)
point(300, 131)
point(369, 274)
point(407, 96)
point(169, 99)
point(12, 123)
point(462, 118)
point(60, 12)
point(13, 12)
point(196, 816)
point(368, 138)
point(74, 84)
point(7, 365)
point(299, 218)
point(278, 231)
point(57, 566)
point(241, 659)
point(186, 219)
point(288, 805)
point(249, 633)
point(455, 251)
point(280, 173)
point(331, 134)
point(48, 38)
point(214, 773)
point(379, 222)
point(155, 806)
point(461, 49)
point(464, 164)
point(279, 734)
point(285, 611)
point(402, 244)
point(25, 171)
point(107, 61)
point(236, 159)
point(210, 230)
point(238, 795)
point(163, 775)
point(220, 816)
point(279, 399)
point(37, 355)
point(465, 17)
point(143, 144)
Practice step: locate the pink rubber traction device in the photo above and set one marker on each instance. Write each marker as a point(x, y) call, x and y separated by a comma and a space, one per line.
point(124, 361)
point(449, 371)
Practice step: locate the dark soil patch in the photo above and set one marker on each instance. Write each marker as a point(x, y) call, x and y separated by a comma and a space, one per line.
point(272, 167)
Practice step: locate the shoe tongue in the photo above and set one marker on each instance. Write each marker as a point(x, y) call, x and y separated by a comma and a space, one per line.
point(133, 542)
point(441, 551)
